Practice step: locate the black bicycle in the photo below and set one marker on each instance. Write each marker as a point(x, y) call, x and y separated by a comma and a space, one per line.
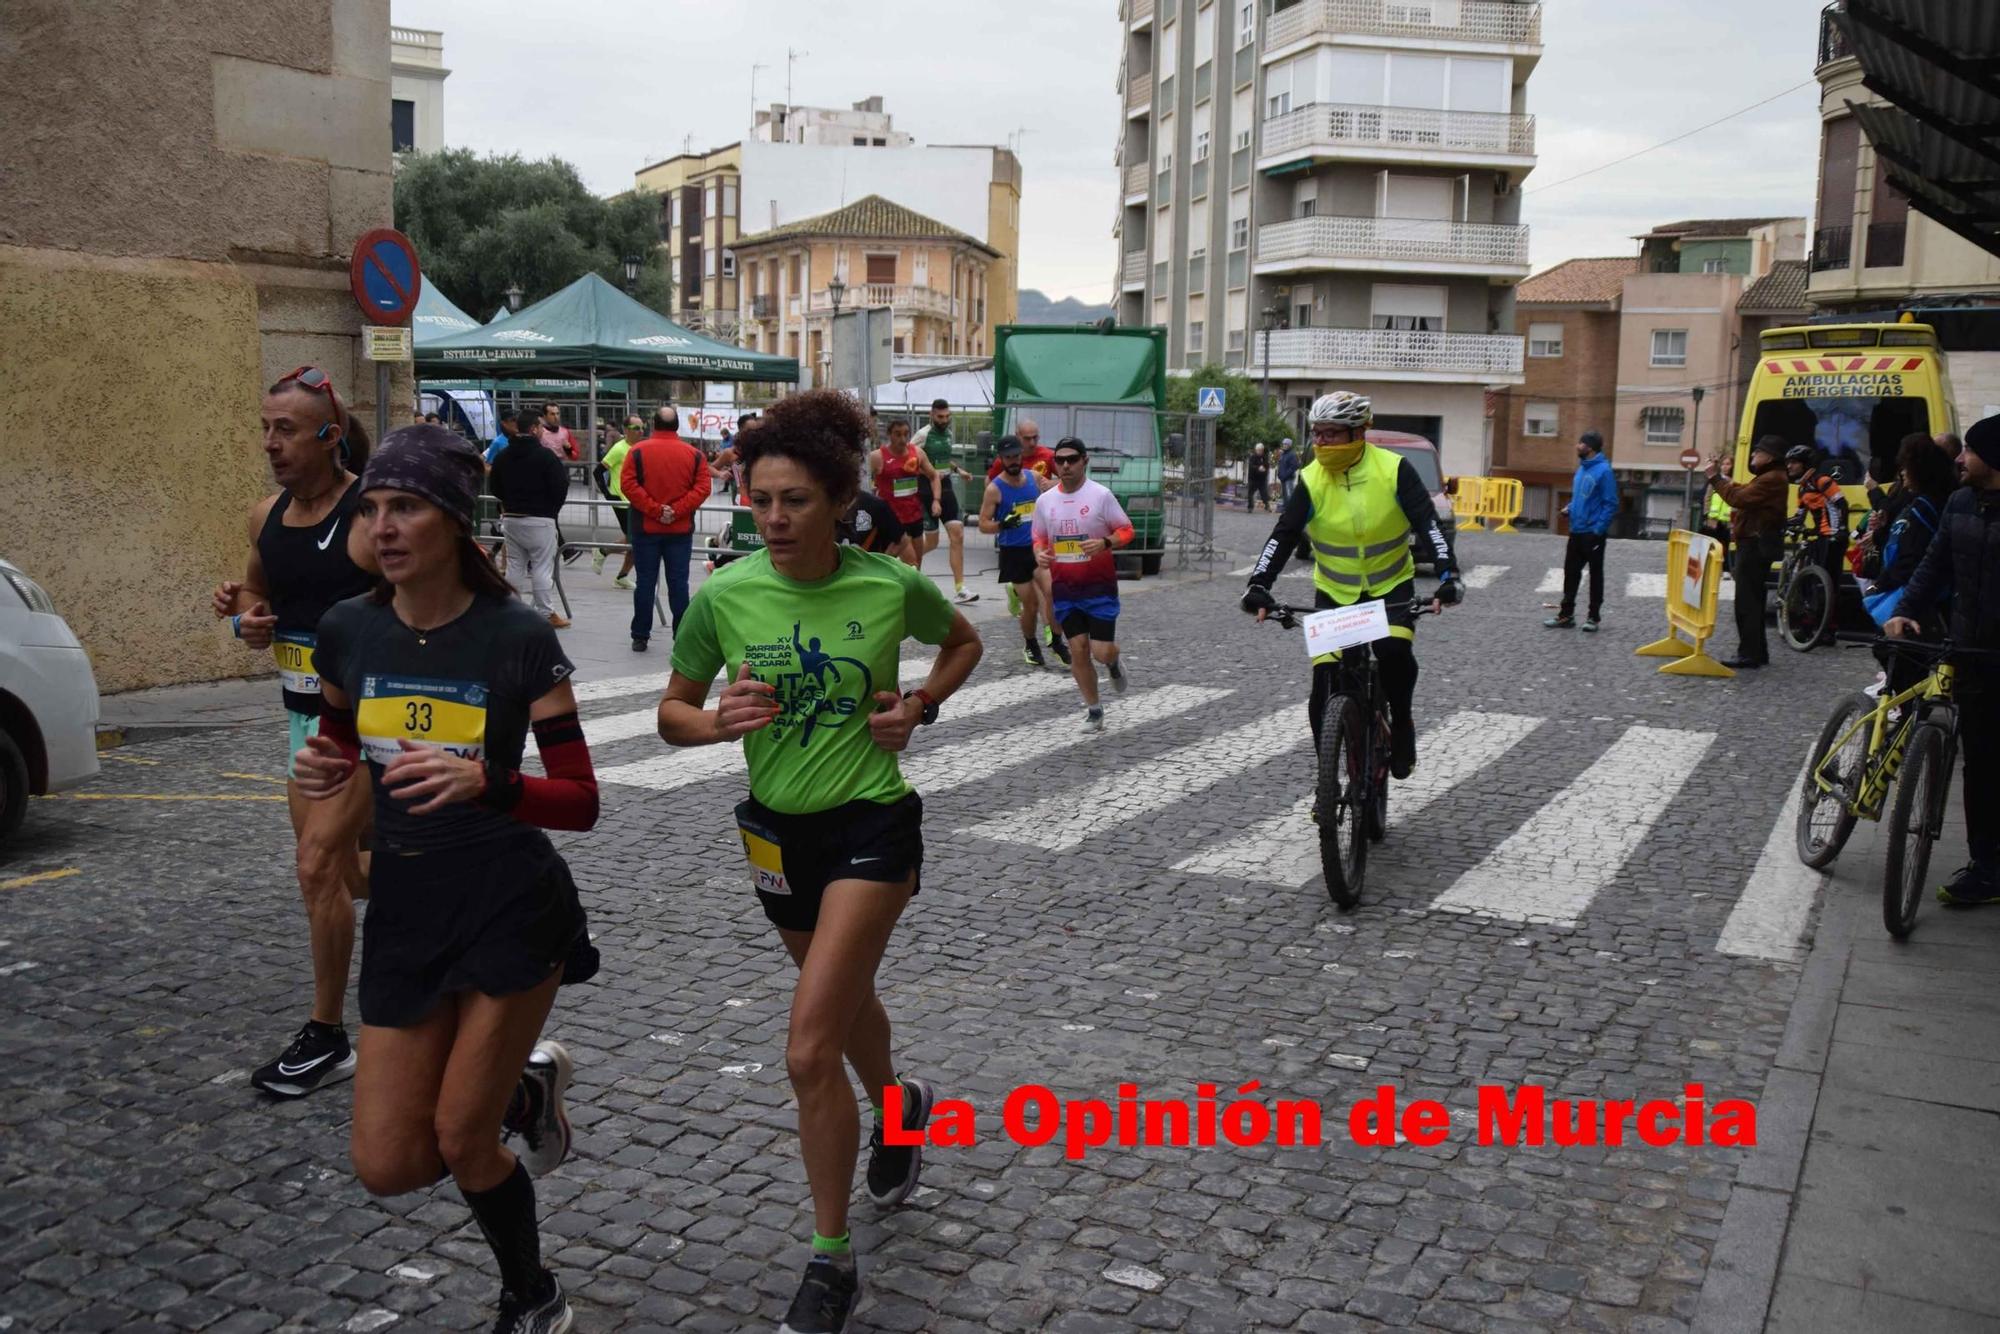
point(1351, 797)
point(1807, 595)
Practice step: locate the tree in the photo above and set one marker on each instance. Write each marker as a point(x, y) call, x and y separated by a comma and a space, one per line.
point(482, 225)
point(1243, 423)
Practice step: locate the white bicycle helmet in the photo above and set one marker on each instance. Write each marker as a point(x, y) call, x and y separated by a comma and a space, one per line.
point(1342, 408)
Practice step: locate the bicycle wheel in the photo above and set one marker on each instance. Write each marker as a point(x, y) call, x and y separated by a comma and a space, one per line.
point(1376, 812)
point(1806, 609)
point(1911, 827)
point(1824, 822)
point(1343, 850)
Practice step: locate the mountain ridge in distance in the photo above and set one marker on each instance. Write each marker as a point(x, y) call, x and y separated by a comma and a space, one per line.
point(1036, 308)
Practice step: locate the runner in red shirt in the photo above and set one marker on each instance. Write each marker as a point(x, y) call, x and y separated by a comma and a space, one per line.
point(898, 467)
point(1036, 457)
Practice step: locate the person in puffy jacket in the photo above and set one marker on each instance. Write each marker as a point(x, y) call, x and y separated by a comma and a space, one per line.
point(1593, 506)
point(1924, 482)
point(1963, 561)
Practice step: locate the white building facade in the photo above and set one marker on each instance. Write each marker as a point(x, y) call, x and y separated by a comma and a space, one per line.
point(416, 89)
point(1344, 174)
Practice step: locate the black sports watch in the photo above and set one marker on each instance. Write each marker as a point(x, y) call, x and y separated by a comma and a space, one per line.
point(930, 714)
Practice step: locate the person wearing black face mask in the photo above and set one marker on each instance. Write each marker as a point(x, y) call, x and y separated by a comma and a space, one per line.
point(1757, 527)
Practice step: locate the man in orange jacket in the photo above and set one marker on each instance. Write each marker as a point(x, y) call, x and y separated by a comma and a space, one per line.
point(665, 479)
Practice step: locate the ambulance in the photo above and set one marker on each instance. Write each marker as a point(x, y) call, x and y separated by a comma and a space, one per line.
point(1854, 390)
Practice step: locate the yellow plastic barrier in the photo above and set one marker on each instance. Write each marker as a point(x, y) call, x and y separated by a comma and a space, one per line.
point(1694, 577)
point(1468, 503)
point(1503, 502)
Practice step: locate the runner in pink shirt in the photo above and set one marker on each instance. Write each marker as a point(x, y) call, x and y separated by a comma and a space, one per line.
point(1078, 525)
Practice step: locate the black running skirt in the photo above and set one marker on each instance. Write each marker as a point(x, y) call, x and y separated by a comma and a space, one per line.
point(496, 918)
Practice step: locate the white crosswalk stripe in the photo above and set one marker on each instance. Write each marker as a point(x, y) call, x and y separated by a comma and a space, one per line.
point(1551, 868)
point(1769, 919)
point(1060, 823)
point(1653, 585)
point(1552, 582)
point(1483, 576)
point(968, 761)
point(679, 768)
point(1284, 849)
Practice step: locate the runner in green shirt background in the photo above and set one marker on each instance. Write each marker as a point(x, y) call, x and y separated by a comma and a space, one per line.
point(613, 487)
point(935, 440)
point(809, 635)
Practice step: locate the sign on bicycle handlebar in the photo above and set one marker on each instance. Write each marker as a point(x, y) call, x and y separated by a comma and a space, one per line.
point(1343, 627)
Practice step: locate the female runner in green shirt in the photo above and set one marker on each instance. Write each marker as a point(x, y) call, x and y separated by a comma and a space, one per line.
point(809, 634)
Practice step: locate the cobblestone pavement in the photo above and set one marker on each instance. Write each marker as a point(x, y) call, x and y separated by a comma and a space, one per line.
point(142, 1183)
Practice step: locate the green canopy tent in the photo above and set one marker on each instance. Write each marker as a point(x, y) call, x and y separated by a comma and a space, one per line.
point(436, 317)
point(499, 315)
point(591, 327)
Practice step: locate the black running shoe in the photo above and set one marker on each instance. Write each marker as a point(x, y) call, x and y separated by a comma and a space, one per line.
point(1117, 676)
point(536, 1113)
point(892, 1170)
point(549, 1316)
point(1970, 887)
point(1031, 653)
point(319, 1055)
point(1060, 645)
point(827, 1297)
point(1402, 747)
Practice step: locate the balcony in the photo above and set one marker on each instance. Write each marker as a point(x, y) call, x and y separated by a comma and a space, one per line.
point(903, 300)
point(1833, 248)
point(1133, 276)
point(1138, 94)
point(1417, 245)
point(1517, 28)
point(1832, 41)
point(763, 306)
point(1391, 354)
point(1138, 176)
point(1336, 131)
point(1138, 12)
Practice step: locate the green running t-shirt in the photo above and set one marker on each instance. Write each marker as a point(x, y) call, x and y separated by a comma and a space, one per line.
point(935, 441)
point(828, 646)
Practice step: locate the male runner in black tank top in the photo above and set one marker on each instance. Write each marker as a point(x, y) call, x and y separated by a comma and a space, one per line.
point(306, 555)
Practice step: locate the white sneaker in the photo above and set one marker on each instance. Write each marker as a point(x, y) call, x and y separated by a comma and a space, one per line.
point(543, 1124)
point(624, 581)
point(965, 597)
point(1093, 718)
point(597, 563)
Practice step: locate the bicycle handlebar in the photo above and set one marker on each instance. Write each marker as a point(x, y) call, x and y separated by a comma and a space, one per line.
point(1916, 648)
point(1288, 616)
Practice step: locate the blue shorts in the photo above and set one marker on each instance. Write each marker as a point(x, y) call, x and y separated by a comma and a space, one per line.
point(1096, 617)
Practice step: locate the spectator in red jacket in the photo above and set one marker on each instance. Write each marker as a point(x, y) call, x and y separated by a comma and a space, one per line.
point(665, 479)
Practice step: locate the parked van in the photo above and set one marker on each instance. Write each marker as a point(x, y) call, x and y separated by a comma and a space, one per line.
point(1854, 390)
point(1423, 456)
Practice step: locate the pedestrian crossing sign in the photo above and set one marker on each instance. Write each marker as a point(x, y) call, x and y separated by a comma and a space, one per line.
point(1210, 402)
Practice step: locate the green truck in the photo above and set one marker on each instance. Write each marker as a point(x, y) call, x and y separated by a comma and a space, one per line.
point(1108, 387)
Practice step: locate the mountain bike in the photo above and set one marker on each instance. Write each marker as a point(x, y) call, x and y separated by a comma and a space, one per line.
point(1351, 791)
point(1807, 596)
point(1907, 739)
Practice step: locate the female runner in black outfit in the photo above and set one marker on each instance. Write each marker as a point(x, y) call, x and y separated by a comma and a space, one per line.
point(473, 920)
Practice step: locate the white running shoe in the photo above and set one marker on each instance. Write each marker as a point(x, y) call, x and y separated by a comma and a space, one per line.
point(541, 1122)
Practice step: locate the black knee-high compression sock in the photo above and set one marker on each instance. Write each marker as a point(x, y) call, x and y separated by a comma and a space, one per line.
point(506, 1215)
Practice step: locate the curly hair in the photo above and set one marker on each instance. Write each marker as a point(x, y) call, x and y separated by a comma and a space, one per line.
point(1929, 468)
point(821, 430)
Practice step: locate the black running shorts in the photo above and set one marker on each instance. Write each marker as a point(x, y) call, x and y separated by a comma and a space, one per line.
point(1017, 564)
point(793, 858)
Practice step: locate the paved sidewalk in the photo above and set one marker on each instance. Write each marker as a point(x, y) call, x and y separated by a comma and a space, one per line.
point(1869, 1204)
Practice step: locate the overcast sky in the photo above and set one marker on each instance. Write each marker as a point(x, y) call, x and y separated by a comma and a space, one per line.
point(612, 85)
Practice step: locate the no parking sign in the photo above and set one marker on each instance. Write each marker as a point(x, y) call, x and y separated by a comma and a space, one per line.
point(384, 276)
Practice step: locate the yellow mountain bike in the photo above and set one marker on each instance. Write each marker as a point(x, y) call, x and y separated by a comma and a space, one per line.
point(1907, 740)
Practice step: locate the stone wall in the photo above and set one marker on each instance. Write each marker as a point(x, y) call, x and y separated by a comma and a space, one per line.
point(182, 185)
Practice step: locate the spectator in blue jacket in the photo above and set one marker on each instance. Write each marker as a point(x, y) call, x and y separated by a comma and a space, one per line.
point(1288, 472)
point(1593, 505)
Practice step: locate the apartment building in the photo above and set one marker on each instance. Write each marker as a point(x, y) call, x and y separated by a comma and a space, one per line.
point(1568, 317)
point(866, 124)
point(1330, 191)
point(709, 199)
point(874, 252)
point(1872, 254)
point(1679, 335)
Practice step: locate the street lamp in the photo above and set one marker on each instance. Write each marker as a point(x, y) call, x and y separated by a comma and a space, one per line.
point(836, 289)
point(631, 272)
point(1694, 443)
point(514, 295)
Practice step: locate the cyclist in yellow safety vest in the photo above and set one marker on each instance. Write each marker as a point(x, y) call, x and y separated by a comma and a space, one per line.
point(1358, 505)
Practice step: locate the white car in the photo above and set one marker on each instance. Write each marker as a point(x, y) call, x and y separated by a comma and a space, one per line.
point(48, 700)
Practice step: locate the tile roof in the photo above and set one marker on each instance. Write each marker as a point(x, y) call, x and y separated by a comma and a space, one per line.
point(1579, 282)
point(1712, 227)
point(870, 216)
point(1782, 289)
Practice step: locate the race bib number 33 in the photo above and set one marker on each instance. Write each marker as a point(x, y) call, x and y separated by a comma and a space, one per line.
point(450, 715)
